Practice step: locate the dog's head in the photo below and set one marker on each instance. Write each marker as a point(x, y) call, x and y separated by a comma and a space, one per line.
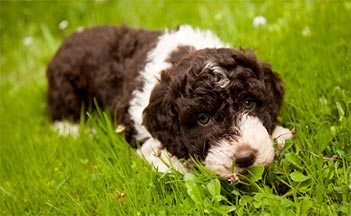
point(219, 106)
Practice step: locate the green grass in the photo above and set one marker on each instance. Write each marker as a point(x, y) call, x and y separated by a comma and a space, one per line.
point(42, 173)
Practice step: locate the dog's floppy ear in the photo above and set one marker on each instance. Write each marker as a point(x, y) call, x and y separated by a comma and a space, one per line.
point(275, 90)
point(160, 119)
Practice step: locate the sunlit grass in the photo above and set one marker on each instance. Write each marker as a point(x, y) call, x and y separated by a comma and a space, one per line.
point(307, 42)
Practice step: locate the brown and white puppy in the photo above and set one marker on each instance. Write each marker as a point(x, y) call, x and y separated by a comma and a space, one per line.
point(181, 94)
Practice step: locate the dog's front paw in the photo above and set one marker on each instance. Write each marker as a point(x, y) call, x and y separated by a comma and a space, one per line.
point(281, 134)
point(65, 128)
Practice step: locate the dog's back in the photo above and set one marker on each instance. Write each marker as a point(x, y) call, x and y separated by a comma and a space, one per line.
point(93, 63)
point(99, 63)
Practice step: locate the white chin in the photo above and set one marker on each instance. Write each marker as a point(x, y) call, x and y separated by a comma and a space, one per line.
point(253, 135)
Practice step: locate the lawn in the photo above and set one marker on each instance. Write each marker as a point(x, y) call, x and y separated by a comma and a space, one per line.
point(41, 173)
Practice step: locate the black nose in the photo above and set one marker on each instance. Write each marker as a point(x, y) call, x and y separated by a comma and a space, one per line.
point(245, 156)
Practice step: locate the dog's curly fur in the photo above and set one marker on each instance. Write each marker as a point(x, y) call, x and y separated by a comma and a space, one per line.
point(100, 63)
point(181, 92)
point(189, 89)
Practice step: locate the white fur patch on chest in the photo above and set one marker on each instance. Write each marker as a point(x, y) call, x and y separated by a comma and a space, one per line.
point(157, 62)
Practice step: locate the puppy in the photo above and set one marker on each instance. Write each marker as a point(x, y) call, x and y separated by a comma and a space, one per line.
point(180, 94)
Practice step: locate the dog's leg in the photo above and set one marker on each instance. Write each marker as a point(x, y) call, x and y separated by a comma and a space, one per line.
point(281, 134)
point(159, 157)
point(64, 128)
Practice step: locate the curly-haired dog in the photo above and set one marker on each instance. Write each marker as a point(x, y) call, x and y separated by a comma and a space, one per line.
point(181, 94)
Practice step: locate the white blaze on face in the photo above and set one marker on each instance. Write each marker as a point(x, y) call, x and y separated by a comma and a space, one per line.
point(223, 80)
point(253, 135)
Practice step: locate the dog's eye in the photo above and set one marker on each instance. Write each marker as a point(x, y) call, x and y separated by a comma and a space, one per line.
point(204, 119)
point(249, 103)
